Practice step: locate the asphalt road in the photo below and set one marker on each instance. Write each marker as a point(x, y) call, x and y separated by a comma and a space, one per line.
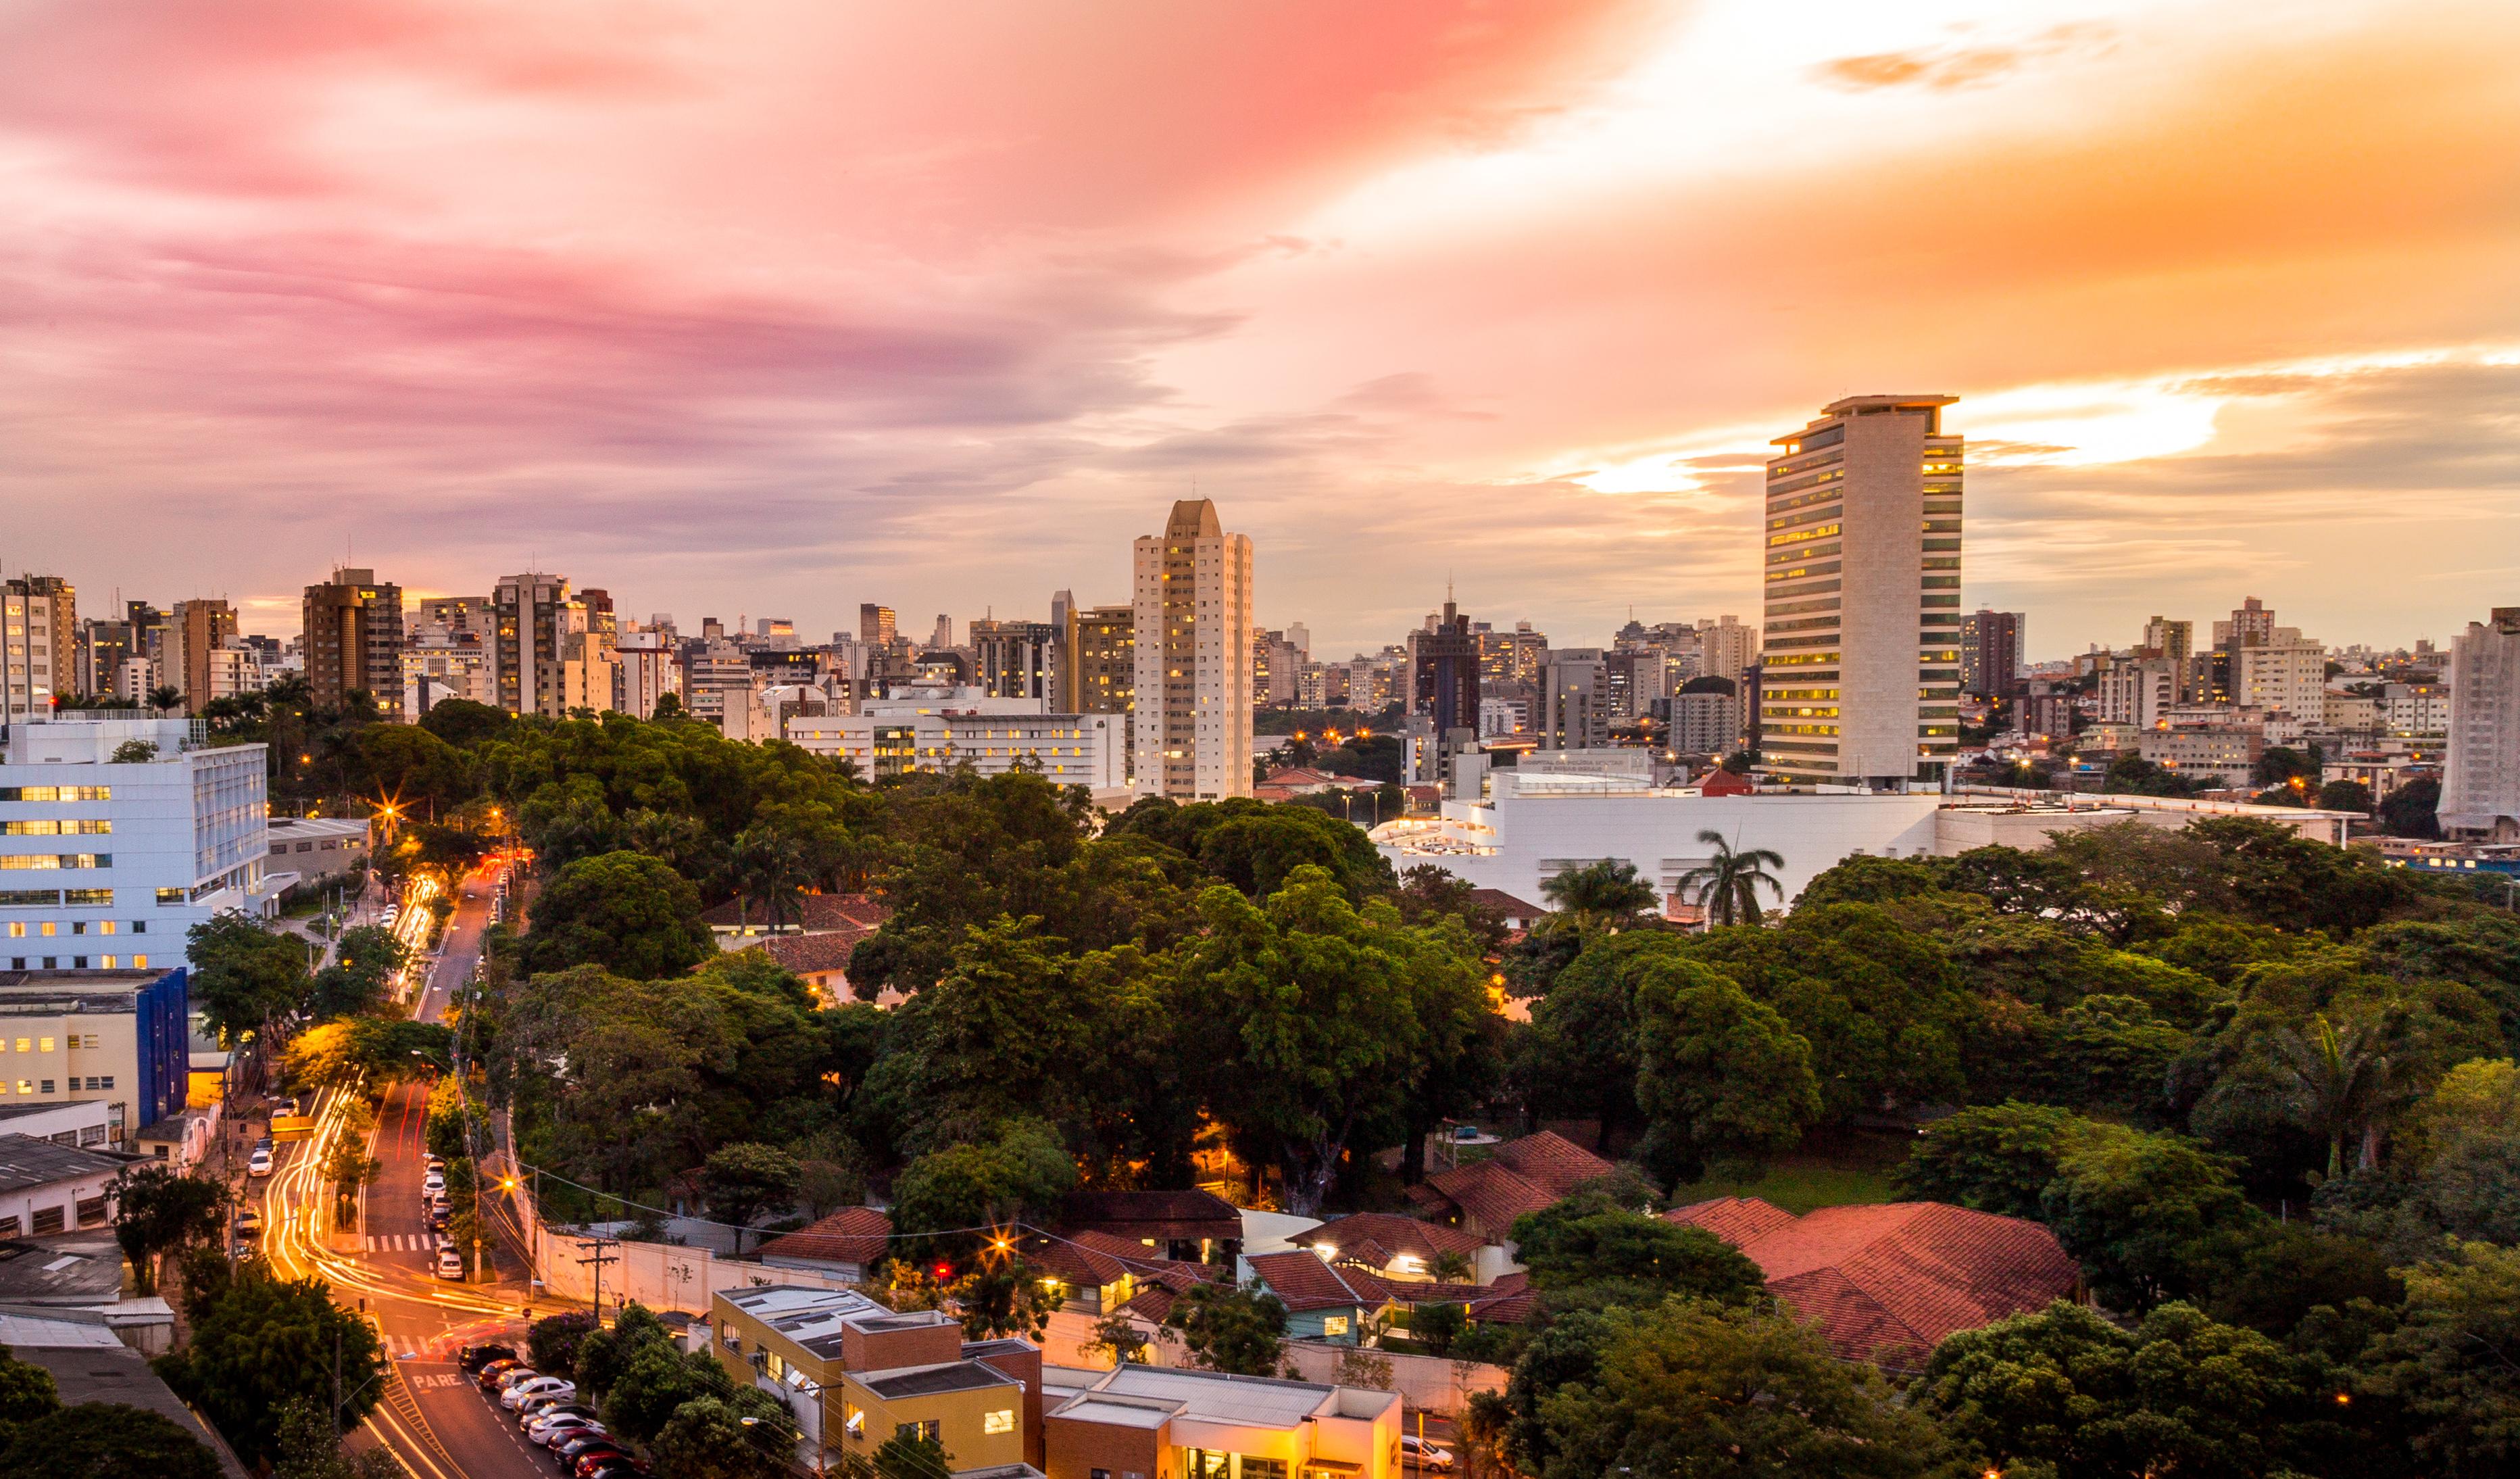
point(433, 1418)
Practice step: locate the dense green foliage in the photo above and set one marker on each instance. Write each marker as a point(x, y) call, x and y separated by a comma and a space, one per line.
point(262, 1341)
point(2260, 1088)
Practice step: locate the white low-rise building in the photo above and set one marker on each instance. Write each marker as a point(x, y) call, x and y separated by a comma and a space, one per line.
point(1526, 829)
point(941, 728)
point(107, 864)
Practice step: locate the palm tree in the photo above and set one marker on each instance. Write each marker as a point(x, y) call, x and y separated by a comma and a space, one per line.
point(1449, 1268)
point(1727, 883)
point(2339, 1083)
point(1608, 889)
point(165, 696)
point(768, 868)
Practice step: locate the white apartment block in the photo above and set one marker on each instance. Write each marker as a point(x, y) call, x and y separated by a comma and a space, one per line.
point(650, 668)
point(2286, 673)
point(941, 730)
point(2481, 774)
point(1725, 647)
point(1861, 546)
point(105, 866)
point(1193, 611)
point(2140, 693)
point(2416, 710)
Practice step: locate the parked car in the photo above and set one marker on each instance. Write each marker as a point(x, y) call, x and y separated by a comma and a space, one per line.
point(487, 1378)
point(432, 1184)
point(258, 1163)
point(552, 1432)
point(555, 1410)
point(249, 1224)
point(473, 1358)
point(595, 1458)
point(516, 1393)
point(1419, 1452)
point(450, 1264)
point(516, 1371)
point(286, 1108)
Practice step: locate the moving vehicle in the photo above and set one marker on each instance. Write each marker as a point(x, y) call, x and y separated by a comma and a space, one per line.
point(450, 1264)
point(1420, 1453)
point(259, 1163)
point(471, 1359)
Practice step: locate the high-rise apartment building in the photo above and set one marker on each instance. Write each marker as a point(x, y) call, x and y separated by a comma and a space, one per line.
point(1706, 717)
point(353, 641)
point(2174, 642)
point(943, 636)
point(1018, 659)
point(1991, 653)
point(528, 638)
point(2140, 692)
point(2285, 673)
point(2480, 795)
point(875, 624)
point(189, 661)
point(1860, 667)
point(1194, 658)
point(1574, 700)
point(38, 645)
point(650, 668)
point(1725, 647)
point(1444, 671)
point(1277, 670)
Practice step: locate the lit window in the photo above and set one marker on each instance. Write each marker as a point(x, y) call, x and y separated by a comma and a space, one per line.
point(1003, 1420)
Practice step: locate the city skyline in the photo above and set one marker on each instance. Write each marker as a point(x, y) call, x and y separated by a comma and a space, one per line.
point(1522, 300)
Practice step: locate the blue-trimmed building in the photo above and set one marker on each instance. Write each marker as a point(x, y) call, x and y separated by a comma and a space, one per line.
point(120, 1036)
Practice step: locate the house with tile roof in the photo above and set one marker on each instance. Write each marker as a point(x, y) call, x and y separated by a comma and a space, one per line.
point(816, 946)
point(849, 1244)
point(1323, 1301)
point(1529, 1174)
point(1185, 1226)
point(1403, 1249)
point(1885, 1283)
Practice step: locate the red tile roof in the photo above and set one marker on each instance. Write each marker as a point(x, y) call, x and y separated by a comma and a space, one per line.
point(1366, 1233)
point(1507, 1301)
point(1885, 1283)
point(1302, 1281)
point(851, 1235)
point(1167, 1215)
point(809, 954)
point(1552, 1160)
point(1505, 903)
point(1734, 1219)
point(817, 913)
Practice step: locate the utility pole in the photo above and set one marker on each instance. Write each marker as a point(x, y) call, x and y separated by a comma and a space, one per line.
point(598, 1242)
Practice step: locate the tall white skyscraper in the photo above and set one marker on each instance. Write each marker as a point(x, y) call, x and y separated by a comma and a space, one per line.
point(1193, 616)
point(1860, 667)
point(2479, 794)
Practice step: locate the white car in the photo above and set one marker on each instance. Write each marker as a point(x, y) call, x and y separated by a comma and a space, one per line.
point(1418, 1452)
point(548, 1428)
point(516, 1393)
point(432, 1185)
point(450, 1264)
point(258, 1163)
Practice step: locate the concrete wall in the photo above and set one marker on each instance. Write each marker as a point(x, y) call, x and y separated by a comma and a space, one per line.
point(1424, 1383)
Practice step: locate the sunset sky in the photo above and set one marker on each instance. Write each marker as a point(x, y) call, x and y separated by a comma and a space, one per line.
point(768, 308)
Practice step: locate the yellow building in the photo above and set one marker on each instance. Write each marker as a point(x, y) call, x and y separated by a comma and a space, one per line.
point(857, 1374)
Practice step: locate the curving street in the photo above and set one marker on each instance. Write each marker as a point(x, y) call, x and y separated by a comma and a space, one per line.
point(433, 1419)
